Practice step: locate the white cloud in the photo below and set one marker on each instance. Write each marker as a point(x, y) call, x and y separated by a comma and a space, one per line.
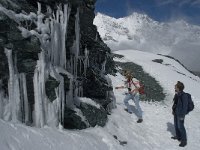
point(180, 3)
point(196, 2)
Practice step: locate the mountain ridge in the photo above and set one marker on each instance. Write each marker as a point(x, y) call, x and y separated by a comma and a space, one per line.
point(139, 31)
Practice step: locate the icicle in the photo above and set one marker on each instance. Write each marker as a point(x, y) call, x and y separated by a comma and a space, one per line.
point(58, 26)
point(77, 32)
point(80, 90)
point(103, 68)
point(75, 67)
point(13, 89)
point(86, 61)
point(39, 92)
point(24, 99)
point(69, 100)
point(49, 11)
point(17, 98)
point(96, 37)
point(39, 8)
point(63, 99)
point(1, 105)
point(76, 46)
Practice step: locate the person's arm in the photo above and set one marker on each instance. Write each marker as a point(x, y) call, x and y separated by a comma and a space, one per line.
point(119, 87)
point(135, 90)
point(183, 110)
point(175, 99)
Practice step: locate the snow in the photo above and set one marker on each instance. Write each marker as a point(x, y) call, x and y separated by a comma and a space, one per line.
point(90, 102)
point(153, 134)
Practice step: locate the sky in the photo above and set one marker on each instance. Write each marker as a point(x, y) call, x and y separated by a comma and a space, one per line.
point(160, 10)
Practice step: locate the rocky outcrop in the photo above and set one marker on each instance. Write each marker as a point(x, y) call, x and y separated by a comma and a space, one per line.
point(82, 75)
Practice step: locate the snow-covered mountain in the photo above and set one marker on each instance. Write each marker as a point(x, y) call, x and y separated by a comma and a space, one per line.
point(121, 132)
point(138, 31)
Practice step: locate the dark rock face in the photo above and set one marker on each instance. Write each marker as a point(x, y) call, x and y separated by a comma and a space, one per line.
point(51, 84)
point(99, 118)
point(73, 121)
point(26, 50)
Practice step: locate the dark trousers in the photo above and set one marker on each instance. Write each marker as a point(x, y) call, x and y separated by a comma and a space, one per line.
point(180, 129)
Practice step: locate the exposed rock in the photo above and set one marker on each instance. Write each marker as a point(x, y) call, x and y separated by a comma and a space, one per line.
point(72, 120)
point(94, 115)
point(160, 61)
point(51, 84)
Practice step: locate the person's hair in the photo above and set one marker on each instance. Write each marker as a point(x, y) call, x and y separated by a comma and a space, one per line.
point(129, 76)
point(124, 72)
point(180, 86)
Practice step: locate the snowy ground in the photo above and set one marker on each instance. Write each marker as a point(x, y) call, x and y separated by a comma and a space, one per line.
point(153, 134)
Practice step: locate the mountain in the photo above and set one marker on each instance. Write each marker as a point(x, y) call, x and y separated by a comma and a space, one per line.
point(121, 131)
point(138, 31)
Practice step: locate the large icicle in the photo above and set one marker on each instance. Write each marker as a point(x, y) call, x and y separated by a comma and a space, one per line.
point(76, 47)
point(58, 27)
point(39, 91)
point(13, 88)
point(56, 50)
point(77, 32)
point(24, 99)
point(5, 109)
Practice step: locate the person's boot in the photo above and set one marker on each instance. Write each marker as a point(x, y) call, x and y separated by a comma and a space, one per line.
point(128, 111)
point(175, 138)
point(139, 120)
point(183, 143)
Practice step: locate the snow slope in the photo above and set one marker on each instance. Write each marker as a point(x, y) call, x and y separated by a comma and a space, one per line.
point(139, 31)
point(153, 134)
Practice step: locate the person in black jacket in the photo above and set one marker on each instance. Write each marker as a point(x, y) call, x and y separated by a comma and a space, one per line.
point(179, 110)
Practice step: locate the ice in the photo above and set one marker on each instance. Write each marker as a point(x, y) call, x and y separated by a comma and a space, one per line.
point(51, 30)
point(90, 102)
point(86, 61)
point(103, 67)
point(13, 88)
point(1, 104)
point(58, 28)
point(24, 99)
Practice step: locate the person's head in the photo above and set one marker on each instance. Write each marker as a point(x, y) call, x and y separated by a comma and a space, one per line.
point(179, 87)
point(125, 72)
point(129, 76)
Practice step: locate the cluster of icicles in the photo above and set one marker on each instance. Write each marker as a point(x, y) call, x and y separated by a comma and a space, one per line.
point(52, 61)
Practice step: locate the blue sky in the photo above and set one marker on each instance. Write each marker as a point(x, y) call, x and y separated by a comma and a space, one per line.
point(160, 10)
